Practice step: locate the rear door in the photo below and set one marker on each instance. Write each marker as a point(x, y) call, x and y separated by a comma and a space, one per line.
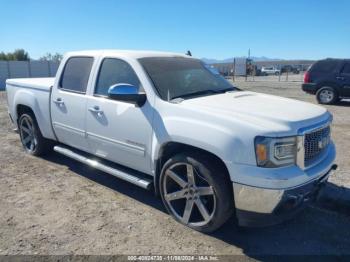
point(324, 71)
point(344, 79)
point(68, 102)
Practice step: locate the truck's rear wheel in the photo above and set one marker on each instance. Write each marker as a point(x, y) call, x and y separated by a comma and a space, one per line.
point(32, 140)
point(196, 192)
point(327, 95)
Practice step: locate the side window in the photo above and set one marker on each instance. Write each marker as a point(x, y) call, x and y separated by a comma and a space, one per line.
point(346, 69)
point(114, 71)
point(76, 74)
point(325, 66)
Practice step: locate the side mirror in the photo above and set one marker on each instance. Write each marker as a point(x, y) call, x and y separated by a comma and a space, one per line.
point(127, 93)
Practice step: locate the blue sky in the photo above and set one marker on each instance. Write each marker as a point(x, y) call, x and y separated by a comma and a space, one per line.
point(306, 29)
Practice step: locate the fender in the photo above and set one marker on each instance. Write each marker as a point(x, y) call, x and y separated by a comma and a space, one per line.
point(179, 135)
point(328, 83)
point(216, 140)
point(41, 111)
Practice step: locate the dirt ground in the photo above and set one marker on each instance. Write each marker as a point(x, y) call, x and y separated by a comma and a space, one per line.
point(56, 206)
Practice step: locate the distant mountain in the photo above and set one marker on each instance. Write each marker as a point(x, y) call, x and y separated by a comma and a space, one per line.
point(230, 60)
point(216, 61)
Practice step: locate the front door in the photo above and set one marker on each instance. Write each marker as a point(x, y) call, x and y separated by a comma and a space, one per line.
point(68, 103)
point(119, 131)
point(345, 80)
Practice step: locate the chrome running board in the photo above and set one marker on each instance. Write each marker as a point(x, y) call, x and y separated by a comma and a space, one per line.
point(127, 176)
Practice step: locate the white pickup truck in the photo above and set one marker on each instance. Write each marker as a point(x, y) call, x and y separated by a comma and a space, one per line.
point(167, 123)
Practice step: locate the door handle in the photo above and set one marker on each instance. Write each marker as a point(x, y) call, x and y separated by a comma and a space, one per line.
point(96, 110)
point(58, 101)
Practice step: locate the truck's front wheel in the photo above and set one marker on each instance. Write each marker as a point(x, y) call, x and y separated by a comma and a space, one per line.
point(32, 140)
point(196, 191)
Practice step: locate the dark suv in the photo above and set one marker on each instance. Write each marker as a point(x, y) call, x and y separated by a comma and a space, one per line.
point(329, 79)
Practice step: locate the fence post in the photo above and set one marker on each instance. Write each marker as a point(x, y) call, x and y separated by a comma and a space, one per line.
point(29, 69)
point(301, 73)
point(234, 69)
point(254, 72)
point(49, 67)
point(8, 69)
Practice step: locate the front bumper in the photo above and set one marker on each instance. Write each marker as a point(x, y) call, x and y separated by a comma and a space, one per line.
point(263, 207)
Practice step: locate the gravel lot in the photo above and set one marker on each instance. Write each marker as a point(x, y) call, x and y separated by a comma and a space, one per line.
point(54, 205)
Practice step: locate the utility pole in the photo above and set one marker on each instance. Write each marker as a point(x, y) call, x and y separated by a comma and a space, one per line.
point(247, 61)
point(246, 65)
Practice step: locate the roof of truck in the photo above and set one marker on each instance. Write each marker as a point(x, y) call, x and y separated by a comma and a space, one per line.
point(128, 53)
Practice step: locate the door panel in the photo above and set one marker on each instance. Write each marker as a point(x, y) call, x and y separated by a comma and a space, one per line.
point(68, 103)
point(344, 78)
point(120, 132)
point(68, 118)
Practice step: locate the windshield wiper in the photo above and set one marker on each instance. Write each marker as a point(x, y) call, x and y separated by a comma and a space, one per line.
point(204, 92)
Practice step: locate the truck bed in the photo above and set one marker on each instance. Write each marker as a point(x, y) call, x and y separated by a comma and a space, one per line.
point(44, 83)
point(34, 93)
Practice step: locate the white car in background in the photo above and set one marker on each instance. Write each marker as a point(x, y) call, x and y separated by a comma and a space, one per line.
point(165, 122)
point(270, 71)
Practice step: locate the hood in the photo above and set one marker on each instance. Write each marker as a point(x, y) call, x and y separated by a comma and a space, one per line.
point(266, 111)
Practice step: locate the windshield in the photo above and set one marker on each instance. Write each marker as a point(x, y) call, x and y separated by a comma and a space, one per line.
point(176, 77)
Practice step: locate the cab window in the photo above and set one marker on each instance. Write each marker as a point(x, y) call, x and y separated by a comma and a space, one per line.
point(346, 69)
point(114, 71)
point(76, 74)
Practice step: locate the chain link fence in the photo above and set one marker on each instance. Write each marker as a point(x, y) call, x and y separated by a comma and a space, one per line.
point(274, 77)
point(289, 71)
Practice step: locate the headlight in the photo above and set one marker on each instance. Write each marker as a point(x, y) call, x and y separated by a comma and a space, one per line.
point(275, 152)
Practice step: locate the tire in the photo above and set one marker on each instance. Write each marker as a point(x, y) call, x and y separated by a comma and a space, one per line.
point(277, 73)
point(327, 95)
point(210, 188)
point(32, 140)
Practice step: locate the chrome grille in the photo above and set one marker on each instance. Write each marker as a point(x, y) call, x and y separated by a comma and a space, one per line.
point(316, 142)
